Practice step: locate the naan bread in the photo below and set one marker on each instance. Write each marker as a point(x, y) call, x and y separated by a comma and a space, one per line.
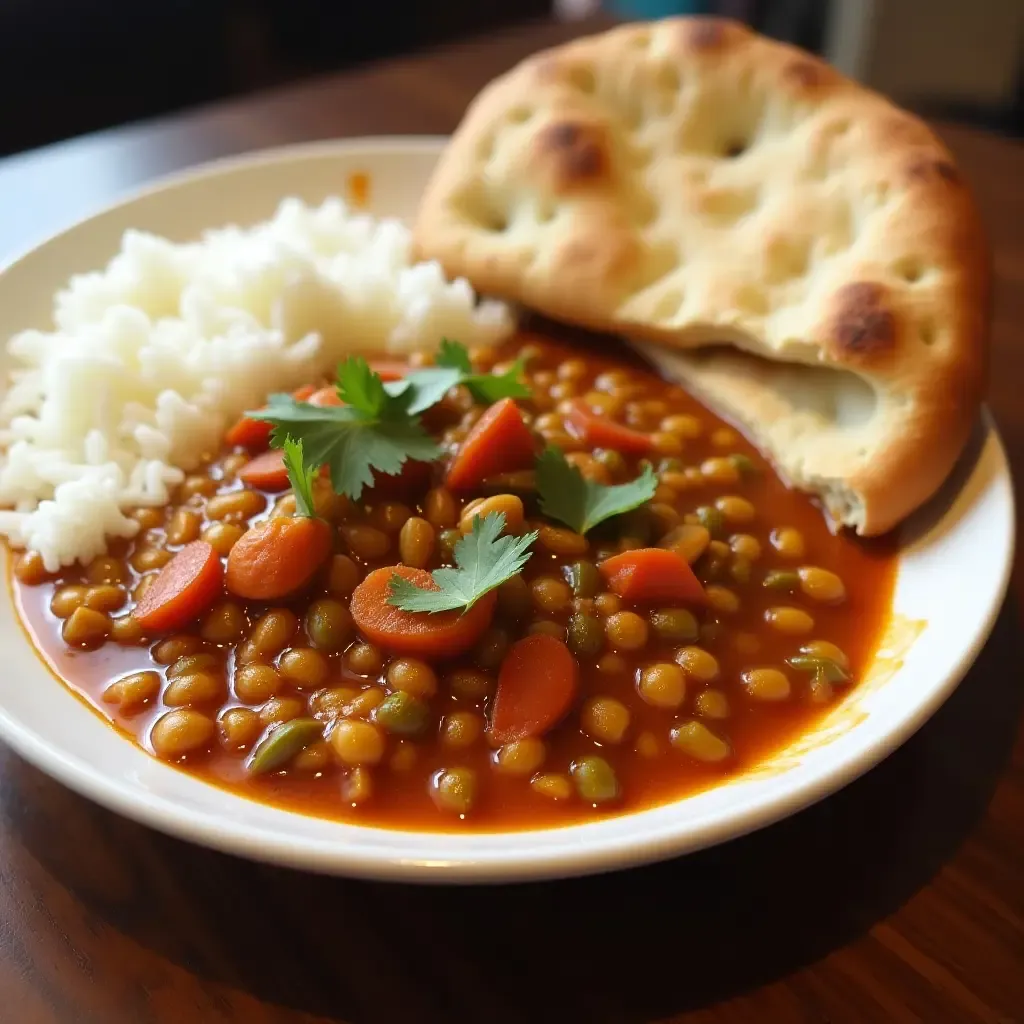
point(690, 183)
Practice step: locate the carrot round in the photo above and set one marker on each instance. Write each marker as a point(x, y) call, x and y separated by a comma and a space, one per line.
point(430, 635)
point(389, 370)
point(325, 396)
point(652, 574)
point(537, 684)
point(266, 471)
point(603, 433)
point(499, 442)
point(255, 434)
point(185, 587)
point(277, 556)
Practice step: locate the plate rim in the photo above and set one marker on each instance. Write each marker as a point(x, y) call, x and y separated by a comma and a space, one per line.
point(568, 859)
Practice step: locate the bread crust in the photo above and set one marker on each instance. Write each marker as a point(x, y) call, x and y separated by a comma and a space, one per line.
point(688, 182)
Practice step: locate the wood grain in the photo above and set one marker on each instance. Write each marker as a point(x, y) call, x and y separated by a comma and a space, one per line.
point(900, 899)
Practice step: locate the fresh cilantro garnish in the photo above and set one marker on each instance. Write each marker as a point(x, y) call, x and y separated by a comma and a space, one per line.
point(483, 561)
point(452, 366)
point(301, 477)
point(374, 430)
point(566, 495)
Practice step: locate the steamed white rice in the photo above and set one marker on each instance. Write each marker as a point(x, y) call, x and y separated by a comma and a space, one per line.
point(151, 358)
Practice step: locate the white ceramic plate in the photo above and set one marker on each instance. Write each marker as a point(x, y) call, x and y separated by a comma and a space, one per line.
point(953, 574)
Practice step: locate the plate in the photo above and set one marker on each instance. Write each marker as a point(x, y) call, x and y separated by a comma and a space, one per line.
point(953, 572)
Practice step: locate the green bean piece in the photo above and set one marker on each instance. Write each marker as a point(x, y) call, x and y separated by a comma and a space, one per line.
point(329, 624)
point(826, 668)
point(781, 579)
point(712, 520)
point(584, 579)
point(403, 714)
point(585, 635)
point(595, 780)
point(745, 466)
point(282, 743)
point(676, 625)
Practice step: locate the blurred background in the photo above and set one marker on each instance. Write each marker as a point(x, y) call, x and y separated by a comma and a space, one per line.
point(74, 66)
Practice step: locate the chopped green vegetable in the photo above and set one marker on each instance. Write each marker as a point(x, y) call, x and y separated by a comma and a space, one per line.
point(300, 476)
point(483, 560)
point(782, 579)
point(373, 430)
point(712, 520)
point(745, 466)
point(825, 668)
point(452, 366)
point(282, 743)
point(581, 504)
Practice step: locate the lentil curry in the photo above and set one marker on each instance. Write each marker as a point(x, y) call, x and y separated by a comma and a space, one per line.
point(603, 676)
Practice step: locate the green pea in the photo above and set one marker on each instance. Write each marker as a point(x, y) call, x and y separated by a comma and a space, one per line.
point(329, 624)
point(712, 520)
point(447, 540)
point(743, 464)
point(780, 579)
point(595, 780)
point(584, 579)
point(824, 668)
point(282, 743)
point(403, 714)
point(676, 625)
point(585, 635)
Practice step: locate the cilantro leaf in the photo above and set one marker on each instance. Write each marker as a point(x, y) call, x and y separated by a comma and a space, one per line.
point(300, 476)
point(374, 430)
point(452, 366)
point(426, 387)
point(581, 504)
point(483, 561)
point(363, 390)
point(454, 354)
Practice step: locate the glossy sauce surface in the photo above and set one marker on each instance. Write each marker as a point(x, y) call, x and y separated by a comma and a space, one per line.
point(648, 768)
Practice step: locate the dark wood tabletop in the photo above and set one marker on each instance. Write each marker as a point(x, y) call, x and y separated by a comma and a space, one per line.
point(899, 899)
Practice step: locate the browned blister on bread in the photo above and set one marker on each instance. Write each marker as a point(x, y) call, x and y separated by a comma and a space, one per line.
point(693, 185)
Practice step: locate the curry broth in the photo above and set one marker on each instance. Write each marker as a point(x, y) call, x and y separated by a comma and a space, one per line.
point(658, 775)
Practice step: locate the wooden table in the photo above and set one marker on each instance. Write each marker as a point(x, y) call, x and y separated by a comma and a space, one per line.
point(899, 899)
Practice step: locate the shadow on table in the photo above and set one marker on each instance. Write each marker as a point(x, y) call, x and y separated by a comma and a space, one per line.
point(626, 947)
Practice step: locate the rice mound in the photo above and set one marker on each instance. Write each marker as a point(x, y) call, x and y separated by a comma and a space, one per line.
point(151, 358)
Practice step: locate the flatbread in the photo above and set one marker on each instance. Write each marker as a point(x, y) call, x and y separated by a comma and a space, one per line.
point(688, 183)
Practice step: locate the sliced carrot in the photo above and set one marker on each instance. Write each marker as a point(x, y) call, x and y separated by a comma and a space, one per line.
point(325, 396)
point(652, 574)
point(499, 442)
point(430, 635)
point(537, 684)
point(266, 471)
point(599, 432)
point(277, 556)
point(185, 587)
point(255, 434)
point(389, 370)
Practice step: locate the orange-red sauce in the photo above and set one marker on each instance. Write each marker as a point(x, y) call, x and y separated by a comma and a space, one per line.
point(754, 729)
